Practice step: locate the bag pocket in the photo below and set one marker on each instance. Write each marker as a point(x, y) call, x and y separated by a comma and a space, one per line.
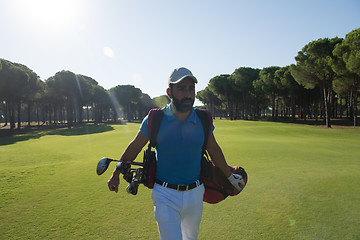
point(149, 168)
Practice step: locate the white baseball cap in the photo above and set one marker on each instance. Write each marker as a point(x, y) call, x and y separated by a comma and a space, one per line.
point(179, 74)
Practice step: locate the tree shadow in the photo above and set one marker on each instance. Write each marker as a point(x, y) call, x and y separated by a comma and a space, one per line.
point(82, 130)
point(7, 137)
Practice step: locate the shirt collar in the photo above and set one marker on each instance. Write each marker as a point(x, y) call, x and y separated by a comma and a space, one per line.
point(191, 118)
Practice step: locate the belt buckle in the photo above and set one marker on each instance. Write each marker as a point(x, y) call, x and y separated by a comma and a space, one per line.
point(181, 185)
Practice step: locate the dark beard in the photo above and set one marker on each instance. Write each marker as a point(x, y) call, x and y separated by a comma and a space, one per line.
point(181, 106)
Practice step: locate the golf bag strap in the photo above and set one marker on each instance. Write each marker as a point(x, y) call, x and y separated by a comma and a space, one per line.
point(154, 120)
point(206, 122)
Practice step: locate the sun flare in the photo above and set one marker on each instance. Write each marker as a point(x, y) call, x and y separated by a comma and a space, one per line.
point(48, 13)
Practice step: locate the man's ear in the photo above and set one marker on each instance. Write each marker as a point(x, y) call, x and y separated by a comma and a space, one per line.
point(168, 92)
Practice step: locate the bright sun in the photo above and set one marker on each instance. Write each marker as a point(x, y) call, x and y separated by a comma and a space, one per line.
point(48, 13)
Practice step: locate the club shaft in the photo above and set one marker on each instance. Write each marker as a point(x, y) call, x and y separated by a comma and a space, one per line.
point(129, 162)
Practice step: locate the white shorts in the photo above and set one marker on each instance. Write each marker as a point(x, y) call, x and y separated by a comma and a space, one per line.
point(178, 213)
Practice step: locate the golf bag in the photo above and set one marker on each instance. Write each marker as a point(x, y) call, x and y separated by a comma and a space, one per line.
point(217, 186)
point(149, 169)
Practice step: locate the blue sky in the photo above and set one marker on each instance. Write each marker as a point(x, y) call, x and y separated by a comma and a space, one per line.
point(139, 42)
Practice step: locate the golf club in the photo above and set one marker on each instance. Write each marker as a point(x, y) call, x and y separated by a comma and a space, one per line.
point(103, 164)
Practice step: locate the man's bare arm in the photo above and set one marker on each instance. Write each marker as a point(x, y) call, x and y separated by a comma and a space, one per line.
point(217, 155)
point(218, 158)
point(134, 147)
point(130, 153)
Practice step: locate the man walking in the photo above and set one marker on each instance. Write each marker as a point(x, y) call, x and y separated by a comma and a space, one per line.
point(178, 192)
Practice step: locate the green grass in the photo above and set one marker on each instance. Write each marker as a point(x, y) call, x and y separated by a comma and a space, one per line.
point(304, 183)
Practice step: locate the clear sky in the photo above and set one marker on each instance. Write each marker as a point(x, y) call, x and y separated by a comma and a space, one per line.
point(139, 42)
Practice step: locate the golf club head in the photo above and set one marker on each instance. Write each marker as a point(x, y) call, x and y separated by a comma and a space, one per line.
point(103, 164)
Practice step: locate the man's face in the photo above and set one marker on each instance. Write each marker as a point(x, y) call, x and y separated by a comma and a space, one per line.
point(183, 95)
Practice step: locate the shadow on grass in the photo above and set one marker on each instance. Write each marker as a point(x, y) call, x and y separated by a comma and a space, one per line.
point(7, 137)
point(81, 130)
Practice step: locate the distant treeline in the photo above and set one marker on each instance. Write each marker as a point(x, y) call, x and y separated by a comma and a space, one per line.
point(65, 98)
point(324, 83)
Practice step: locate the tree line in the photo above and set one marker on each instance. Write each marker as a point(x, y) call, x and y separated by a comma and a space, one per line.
point(65, 98)
point(324, 83)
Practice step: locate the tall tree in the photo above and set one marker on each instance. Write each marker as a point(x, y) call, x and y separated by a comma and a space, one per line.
point(210, 100)
point(67, 85)
point(14, 83)
point(292, 90)
point(313, 68)
point(22, 83)
point(260, 102)
point(31, 90)
point(223, 87)
point(243, 80)
point(54, 100)
point(5, 75)
point(102, 103)
point(347, 67)
point(144, 105)
point(86, 87)
point(270, 85)
point(126, 96)
point(162, 101)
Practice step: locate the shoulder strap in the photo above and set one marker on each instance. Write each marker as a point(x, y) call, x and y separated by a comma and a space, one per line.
point(154, 120)
point(206, 122)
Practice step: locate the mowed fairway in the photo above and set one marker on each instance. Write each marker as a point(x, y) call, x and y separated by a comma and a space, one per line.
point(304, 183)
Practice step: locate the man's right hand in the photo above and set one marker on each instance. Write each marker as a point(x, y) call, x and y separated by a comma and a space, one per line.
point(113, 182)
